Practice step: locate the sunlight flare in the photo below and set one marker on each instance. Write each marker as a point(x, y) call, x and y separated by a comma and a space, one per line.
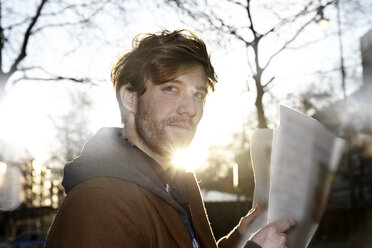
point(188, 159)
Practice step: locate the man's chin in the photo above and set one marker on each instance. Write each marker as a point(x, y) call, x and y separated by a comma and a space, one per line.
point(177, 143)
point(182, 132)
point(170, 149)
point(181, 139)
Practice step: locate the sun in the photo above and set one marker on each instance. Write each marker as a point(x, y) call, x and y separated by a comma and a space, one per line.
point(24, 118)
point(189, 159)
point(183, 159)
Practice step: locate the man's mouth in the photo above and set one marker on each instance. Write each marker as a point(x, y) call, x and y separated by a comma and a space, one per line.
point(181, 126)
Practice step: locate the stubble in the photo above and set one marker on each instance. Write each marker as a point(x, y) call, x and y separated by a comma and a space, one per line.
point(154, 135)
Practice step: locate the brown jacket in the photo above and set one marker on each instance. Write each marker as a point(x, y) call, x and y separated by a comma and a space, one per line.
point(110, 212)
point(115, 199)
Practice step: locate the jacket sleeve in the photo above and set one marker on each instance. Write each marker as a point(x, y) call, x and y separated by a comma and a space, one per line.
point(233, 239)
point(92, 217)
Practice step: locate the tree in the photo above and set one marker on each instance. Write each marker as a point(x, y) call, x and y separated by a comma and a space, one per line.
point(72, 129)
point(264, 28)
point(27, 26)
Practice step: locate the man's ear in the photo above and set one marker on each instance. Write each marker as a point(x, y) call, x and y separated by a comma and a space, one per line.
point(128, 98)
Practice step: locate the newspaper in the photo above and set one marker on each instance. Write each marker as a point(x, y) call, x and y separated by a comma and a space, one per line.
point(293, 169)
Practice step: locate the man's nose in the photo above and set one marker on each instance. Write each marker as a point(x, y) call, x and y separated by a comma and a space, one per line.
point(187, 105)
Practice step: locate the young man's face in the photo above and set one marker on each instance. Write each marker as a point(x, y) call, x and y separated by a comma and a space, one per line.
point(167, 114)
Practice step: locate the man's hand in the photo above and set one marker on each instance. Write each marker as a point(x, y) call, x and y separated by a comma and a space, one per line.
point(272, 235)
point(247, 220)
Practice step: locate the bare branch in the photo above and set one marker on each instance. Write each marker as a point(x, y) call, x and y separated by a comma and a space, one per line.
point(14, 25)
point(237, 3)
point(268, 32)
point(51, 77)
point(62, 11)
point(62, 24)
point(251, 26)
point(213, 17)
point(230, 29)
point(286, 44)
point(27, 19)
point(85, 20)
point(76, 80)
point(268, 82)
point(26, 38)
point(275, 13)
point(24, 69)
point(308, 43)
point(58, 78)
point(306, 10)
point(298, 32)
point(303, 12)
point(67, 7)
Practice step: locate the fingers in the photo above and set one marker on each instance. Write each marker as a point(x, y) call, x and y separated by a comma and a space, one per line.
point(272, 235)
point(284, 224)
point(254, 212)
point(247, 220)
point(252, 215)
point(257, 208)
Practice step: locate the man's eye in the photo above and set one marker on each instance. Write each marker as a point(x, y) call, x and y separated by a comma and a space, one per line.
point(171, 89)
point(199, 95)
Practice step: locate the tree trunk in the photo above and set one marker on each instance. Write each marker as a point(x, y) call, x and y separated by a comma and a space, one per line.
point(261, 118)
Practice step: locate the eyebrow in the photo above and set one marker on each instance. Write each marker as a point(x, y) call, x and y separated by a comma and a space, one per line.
point(202, 88)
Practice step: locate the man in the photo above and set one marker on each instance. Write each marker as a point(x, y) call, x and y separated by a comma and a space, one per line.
point(122, 191)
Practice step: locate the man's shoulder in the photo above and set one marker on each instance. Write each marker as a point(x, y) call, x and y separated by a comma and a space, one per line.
point(104, 207)
point(106, 189)
point(103, 182)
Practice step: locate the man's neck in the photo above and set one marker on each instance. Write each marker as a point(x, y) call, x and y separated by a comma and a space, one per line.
point(165, 162)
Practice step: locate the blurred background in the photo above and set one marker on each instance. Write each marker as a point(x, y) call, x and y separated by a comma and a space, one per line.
point(314, 56)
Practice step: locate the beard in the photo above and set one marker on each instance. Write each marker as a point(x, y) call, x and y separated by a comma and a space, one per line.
point(155, 136)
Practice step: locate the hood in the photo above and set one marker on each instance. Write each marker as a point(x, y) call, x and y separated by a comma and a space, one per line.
point(109, 154)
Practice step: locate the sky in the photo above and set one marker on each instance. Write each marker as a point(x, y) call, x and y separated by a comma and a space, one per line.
point(27, 109)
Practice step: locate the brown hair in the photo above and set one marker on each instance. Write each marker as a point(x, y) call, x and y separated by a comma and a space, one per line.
point(160, 57)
